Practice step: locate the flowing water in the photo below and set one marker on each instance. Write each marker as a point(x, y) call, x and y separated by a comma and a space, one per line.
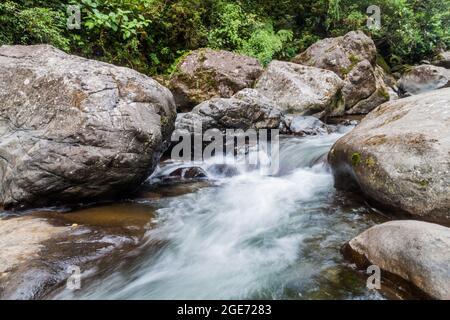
point(247, 236)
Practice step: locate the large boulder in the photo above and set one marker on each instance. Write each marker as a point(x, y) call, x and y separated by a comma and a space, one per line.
point(423, 78)
point(247, 109)
point(418, 252)
point(301, 90)
point(399, 156)
point(207, 73)
point(353, 58)
point(73, 129)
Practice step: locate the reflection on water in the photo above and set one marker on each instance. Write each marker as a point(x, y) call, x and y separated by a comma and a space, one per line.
point(112, 215)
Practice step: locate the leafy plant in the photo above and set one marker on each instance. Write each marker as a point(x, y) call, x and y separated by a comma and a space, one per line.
point(264, 43)
point(152, 35)
point(32, 25)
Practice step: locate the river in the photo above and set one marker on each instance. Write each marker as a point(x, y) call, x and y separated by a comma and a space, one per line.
point(246, 236)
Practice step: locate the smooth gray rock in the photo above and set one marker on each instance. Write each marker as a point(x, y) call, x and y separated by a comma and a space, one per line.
point(423, 78)
point(301, 90)
point(245, 110)
point(399, 156)
point(418, 252)
point(73, 129)
point(207, 73)
point(353, 58)
point(303, 126)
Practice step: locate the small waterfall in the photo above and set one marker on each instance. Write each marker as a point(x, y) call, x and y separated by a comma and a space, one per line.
point(249, 235)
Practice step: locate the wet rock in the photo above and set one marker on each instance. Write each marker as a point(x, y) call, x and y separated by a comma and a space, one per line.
point(443, 60)
point(188, 173)
point(423, 78)
point(181, 175)
point(418, 252)
point(41, 249)
point(159, 191)
point(21, 238)
point(21, 241)
point(349, 122)
point(73, 129)
point(245, 110)
point(398, 156)
point(301, 90)
point(393, 95)
point(353, 58)
point(303, 126)
point(207, 73)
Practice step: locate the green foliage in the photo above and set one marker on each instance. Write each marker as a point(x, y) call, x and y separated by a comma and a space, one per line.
point(243, 32)
point(230, 26)
point(147, 35)
point(34, 25)
point(264, 43)
point(410, 29)
point(153, 35)
point(113, 32)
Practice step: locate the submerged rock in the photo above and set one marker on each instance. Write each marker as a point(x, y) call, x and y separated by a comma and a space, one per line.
point(423, 78)
point(20, 240)
point(73, 129)
point(418, 252)
point(353, 58)
point(40, 251)
point(399, 156)
point(207, 73)
point(181, 175)
point(301, 90)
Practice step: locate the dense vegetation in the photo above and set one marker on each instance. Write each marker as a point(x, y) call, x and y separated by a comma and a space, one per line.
point(152, 35)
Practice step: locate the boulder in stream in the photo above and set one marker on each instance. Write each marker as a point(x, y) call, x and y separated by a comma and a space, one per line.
point(73, 129)
point(247, 109)
point(399, 156)
point(418, 252)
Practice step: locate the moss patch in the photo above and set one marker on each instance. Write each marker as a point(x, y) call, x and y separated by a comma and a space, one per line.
point(423, 183)
point(383, 93)
point(356, 158)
